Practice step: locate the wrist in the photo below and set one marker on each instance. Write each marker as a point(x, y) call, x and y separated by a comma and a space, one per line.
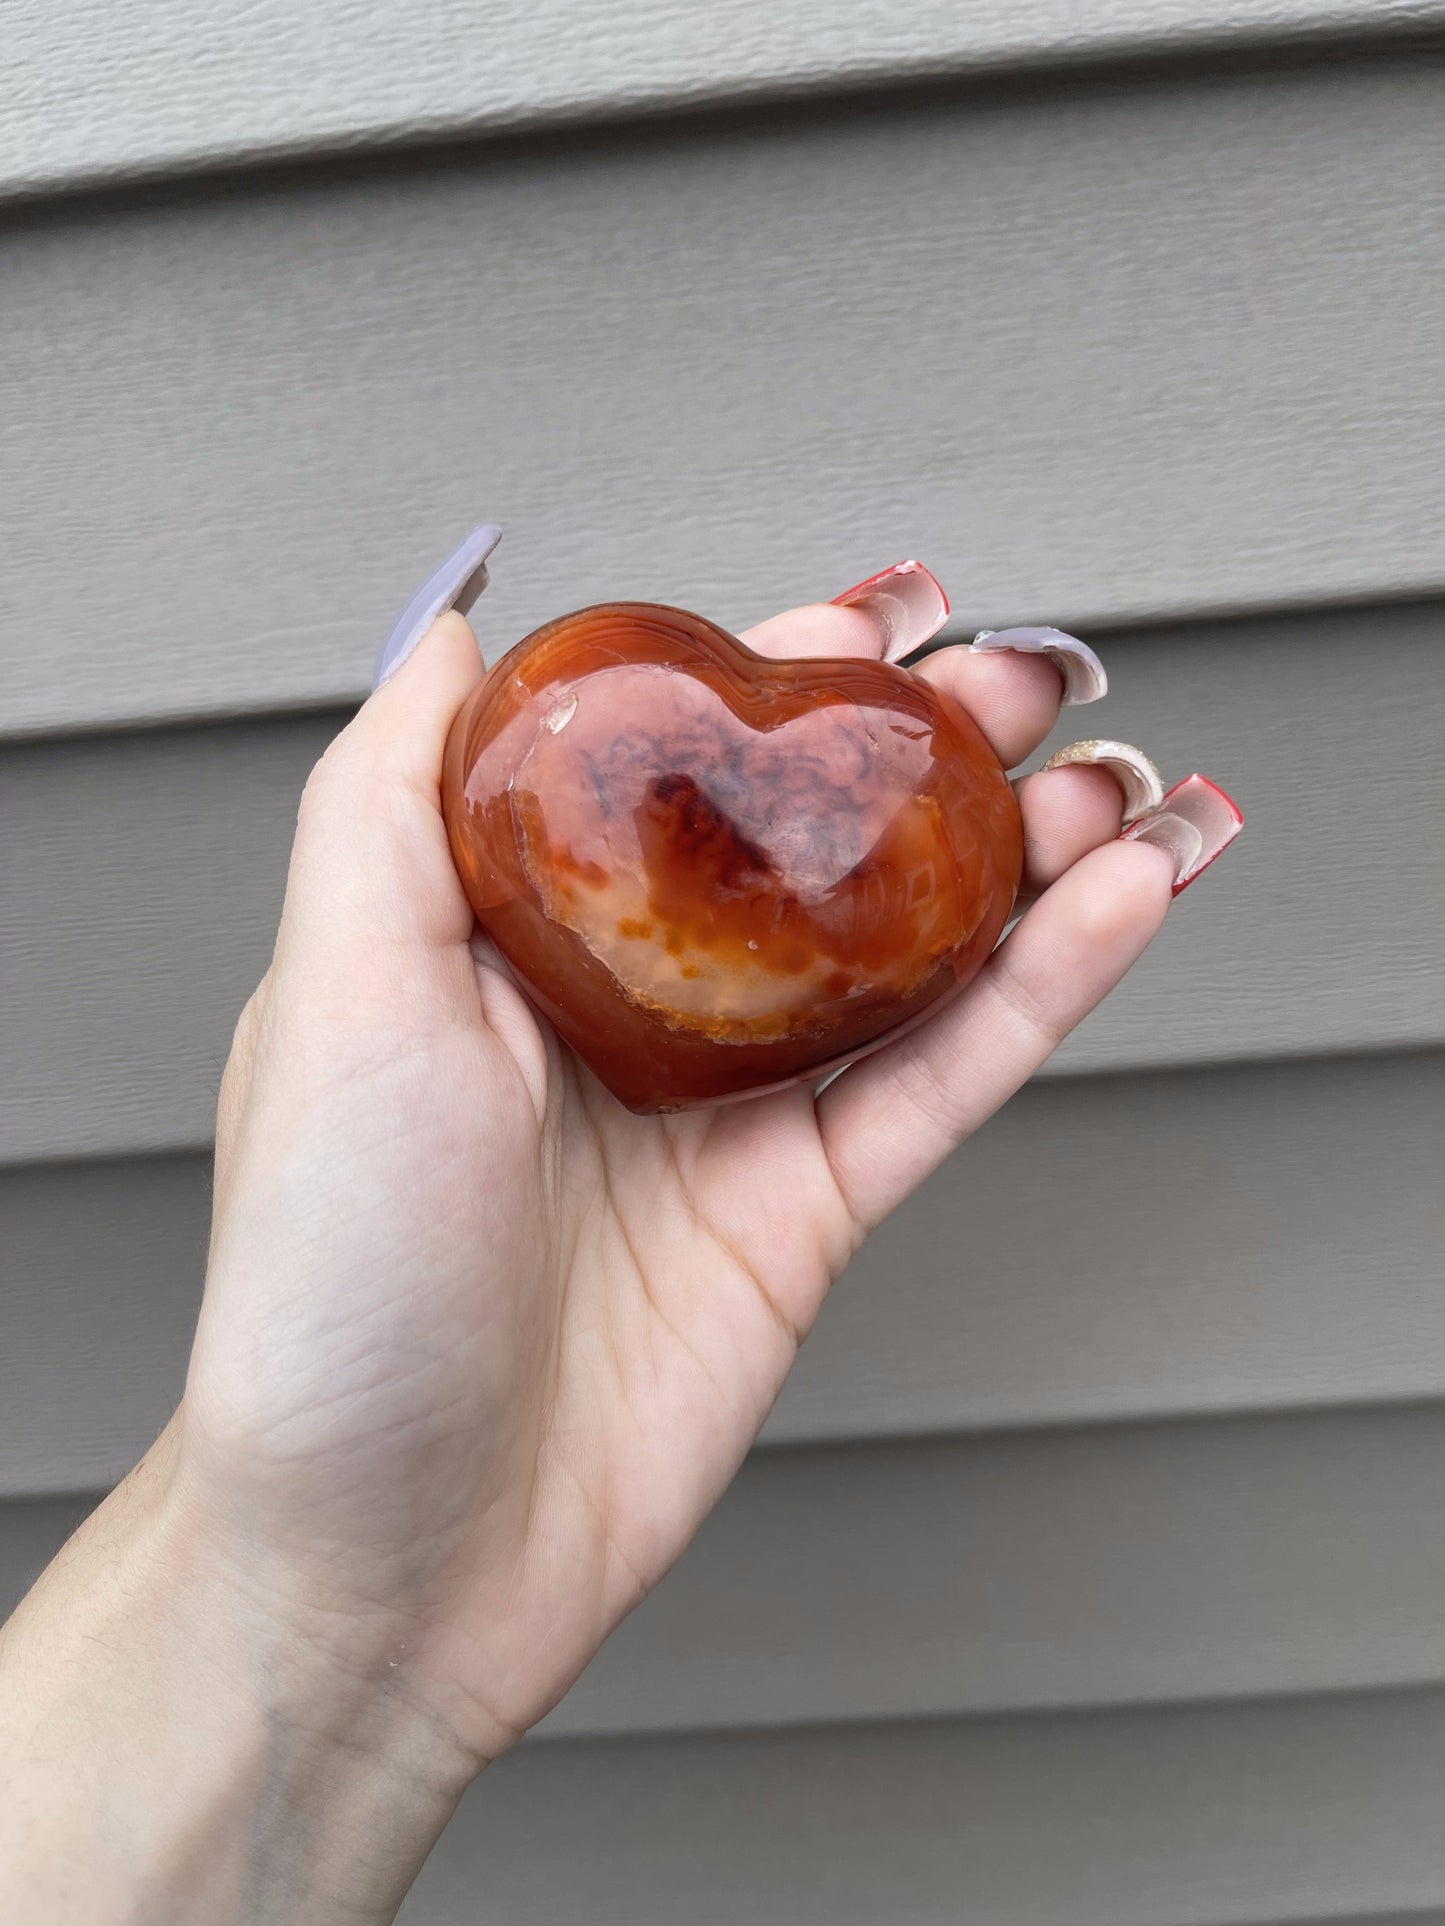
point(176, 1747)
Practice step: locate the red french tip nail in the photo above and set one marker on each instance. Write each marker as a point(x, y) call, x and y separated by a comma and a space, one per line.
point(1196, 822)
point(907, 599)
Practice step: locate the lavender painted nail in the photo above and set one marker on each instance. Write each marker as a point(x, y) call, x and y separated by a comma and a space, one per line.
point(1083, 672)
point(455, 585)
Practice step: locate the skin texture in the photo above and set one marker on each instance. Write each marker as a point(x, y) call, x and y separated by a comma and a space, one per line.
point(479, 1348)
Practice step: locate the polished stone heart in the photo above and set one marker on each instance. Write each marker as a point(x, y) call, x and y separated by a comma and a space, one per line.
point(716, 873)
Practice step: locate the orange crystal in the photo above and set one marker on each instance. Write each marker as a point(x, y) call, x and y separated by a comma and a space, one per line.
point(716, 873)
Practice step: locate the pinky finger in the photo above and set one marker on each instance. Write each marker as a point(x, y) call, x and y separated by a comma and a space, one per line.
point(894, 1117)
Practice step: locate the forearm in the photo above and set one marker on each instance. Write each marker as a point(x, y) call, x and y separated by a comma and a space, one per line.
point(171, 1753)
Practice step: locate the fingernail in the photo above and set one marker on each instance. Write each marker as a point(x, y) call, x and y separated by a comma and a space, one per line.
point(455, 585)
point(1083, 672)
point(1140, 781)
point(1195, 822)
point(906, 600)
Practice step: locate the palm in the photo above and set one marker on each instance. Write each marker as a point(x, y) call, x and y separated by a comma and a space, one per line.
point(679, 1261)
point(477, 1341)
point(703, 1245)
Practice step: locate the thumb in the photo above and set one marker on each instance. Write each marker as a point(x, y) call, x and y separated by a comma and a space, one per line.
point(371, 884)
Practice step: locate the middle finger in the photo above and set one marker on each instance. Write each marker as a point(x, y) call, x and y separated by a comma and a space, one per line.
point(1014, 698)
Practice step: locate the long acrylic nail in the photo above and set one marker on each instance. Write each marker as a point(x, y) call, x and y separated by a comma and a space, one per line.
point(455, 585)
point(1195, 822)
point(1140, 781)
point(906, 600)
point(1083, 672)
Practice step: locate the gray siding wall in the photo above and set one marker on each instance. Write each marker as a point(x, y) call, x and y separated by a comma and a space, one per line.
point(100, 94)
point(1063, 1589)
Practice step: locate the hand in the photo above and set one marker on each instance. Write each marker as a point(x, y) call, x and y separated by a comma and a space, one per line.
point(479, 1348)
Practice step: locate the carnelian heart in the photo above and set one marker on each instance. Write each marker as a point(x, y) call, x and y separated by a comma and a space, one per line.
point(715, 873)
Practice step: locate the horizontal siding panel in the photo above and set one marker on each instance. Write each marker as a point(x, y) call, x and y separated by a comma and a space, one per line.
point(1195, 1817)
point(1273, 1241)
point(101, 1269)
point(186, 88)
point(1111, 1565)
point(1131, 1246)
point(30, 1535)
point(1031, 1571)
point(144, 872)
point(1098, 354)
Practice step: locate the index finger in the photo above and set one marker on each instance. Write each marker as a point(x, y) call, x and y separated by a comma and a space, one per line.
point(888, 616)
point(1012, 683)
